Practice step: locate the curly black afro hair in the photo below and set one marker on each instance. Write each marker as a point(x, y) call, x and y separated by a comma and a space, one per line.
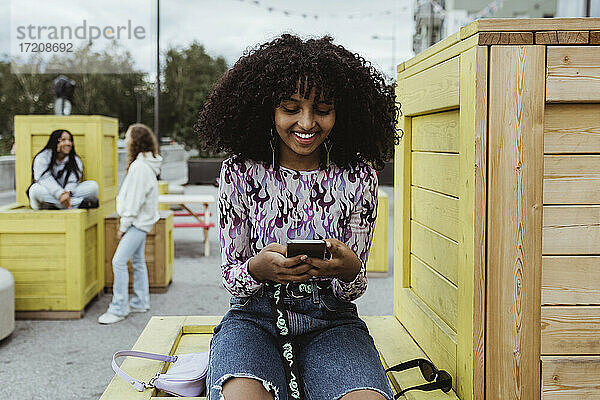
point(238, 116)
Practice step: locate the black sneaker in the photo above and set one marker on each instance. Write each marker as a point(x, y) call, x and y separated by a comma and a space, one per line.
point(48, 206)
point(89, 202)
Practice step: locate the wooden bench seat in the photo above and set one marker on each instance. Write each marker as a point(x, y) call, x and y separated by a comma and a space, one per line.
point(180, 335)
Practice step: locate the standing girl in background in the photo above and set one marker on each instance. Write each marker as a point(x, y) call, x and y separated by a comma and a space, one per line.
point(56, 175)
point(307, 123)
point(137, 205)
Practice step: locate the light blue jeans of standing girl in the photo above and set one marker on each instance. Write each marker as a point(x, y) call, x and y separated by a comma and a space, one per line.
point(131, 246)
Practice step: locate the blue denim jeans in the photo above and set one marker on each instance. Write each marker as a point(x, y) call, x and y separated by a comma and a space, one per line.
point(335, 353)
point(131, 246)
point(39, 194)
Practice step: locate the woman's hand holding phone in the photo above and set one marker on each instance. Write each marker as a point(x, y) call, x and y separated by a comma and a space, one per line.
point(344, 264)
point(271, 264)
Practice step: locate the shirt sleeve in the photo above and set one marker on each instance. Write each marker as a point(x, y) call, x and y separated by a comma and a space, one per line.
point(234, 227)
point(132, 194)
point(359, 232)
point(73, 177)
point(40, 164)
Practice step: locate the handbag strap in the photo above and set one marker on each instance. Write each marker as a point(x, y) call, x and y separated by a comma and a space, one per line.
point(286, 344)
point(138, 385)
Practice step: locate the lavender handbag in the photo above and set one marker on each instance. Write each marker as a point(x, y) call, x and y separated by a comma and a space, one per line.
point(185, 378)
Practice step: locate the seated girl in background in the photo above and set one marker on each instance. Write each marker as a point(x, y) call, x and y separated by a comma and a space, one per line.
point(307, 123)
point(56, 175)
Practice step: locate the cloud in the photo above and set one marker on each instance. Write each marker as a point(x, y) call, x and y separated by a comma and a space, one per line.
point(228, 27)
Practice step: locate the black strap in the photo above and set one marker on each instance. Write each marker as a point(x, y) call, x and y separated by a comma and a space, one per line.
point(286, 344)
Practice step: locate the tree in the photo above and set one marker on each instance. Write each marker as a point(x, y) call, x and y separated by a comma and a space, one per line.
point(189, 75)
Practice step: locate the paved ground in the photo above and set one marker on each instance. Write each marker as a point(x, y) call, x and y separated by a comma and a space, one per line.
point(70, 360)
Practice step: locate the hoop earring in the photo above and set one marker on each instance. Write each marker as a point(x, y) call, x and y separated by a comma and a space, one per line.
point(272, 144)
point(327, 145)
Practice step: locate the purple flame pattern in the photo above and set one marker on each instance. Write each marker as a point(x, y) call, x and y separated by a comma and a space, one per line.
point(258, 206)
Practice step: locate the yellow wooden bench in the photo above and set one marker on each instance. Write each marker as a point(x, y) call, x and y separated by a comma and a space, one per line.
point(56, 257)
point(377, 265)
point(180, 335)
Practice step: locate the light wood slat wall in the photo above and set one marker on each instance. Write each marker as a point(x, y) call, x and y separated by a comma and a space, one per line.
point(570, 378)
point(571, 230)
point(436, 250)
point(571, 179)
point(436, 171)
point(570, 330)
point(436, 132)
point(516, 108)
point(436, 211)
point(566, 134)
point(434, 89)
point(581, 285)
point(573, 74)
point(435, 337)
point(436, 291)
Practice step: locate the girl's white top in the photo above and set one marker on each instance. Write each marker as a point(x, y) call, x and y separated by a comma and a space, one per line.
point(137, 202)
point(56, 186)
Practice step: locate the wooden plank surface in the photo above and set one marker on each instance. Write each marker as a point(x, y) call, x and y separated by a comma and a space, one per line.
point(395, 345)
point(572, 128)
point(562, 37)
point(434, 89)
point(573, 74)
point(402, 209)
point(432, 334)
point(438, 251)
point(496, 38)
point(436, 291)
point(571, 280)
point(438, 58)
point(472, 214)
point(436, 171)
point(515, 220)
point(570, 378)
point(159, 336)
point(570, 330)
point(595, 37)
point(537, 24)
point(572, 179)
point(436, 132)
point(436, 211)
point(571, 230)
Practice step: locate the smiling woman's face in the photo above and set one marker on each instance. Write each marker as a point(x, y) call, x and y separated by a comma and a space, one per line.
point(303, 125)
point(65, 144)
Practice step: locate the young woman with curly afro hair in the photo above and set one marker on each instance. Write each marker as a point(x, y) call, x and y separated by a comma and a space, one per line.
point(306, 123)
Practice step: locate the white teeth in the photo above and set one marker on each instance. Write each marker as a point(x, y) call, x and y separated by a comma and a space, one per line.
point(304, 135)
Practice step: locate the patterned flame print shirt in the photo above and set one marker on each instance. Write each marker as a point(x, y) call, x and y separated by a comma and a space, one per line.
point(258, 206)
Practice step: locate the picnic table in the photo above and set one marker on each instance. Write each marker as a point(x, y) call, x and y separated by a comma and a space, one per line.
point(202, 218)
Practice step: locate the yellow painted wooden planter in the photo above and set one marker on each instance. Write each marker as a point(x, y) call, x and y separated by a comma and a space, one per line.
point(163, 188)
point(56, 258)
point(180, 335)
point(378, 255)
point(159, 252)
point(95, 139)
point(497, 215)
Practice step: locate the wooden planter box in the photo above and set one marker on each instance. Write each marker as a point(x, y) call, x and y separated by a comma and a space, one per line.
point(95, 138)
point(203, 171)
point(377, 264)
point(498, 207)
point(56, 258)
point(159, 252)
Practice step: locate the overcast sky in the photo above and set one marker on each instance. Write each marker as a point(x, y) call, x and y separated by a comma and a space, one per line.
point(225, 27)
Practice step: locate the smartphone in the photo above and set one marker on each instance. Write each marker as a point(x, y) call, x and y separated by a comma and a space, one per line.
point(312, 248)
